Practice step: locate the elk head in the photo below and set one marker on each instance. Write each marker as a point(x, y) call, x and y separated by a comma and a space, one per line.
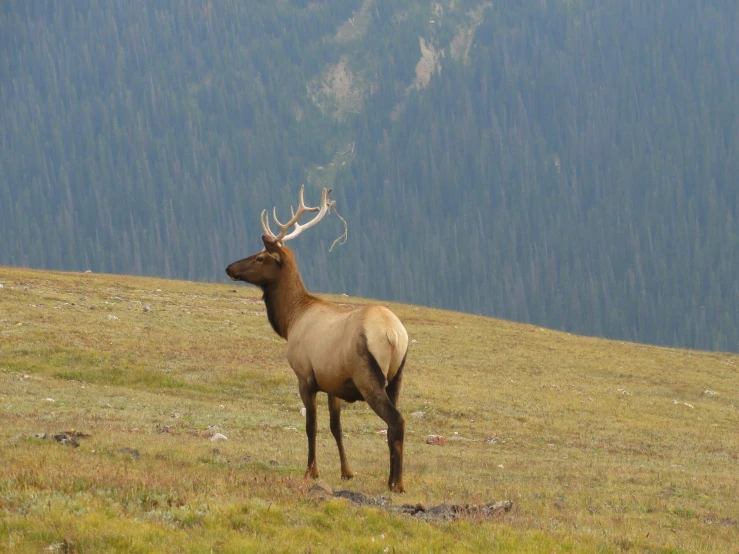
point(266, 267)
point(260, 269)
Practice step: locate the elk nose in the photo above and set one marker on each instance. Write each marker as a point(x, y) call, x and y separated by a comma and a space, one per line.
point(231, 273)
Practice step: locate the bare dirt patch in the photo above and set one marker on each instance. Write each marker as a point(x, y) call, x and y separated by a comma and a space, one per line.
point(337, 90)
point(427, 65)
point(440, 512)
point(462, 41)
point(356, 26)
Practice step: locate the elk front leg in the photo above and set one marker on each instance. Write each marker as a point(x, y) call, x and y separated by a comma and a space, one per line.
point(308, 395)
point(334, 408)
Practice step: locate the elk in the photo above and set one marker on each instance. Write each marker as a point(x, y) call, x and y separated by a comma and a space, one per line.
point(350, 354)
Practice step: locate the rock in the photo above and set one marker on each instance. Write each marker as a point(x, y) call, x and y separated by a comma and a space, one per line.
point(442, 512)
point(418, 415)
point(63, 438)
point(321, 491)
point(437, 440)
point(129, 451)
point(218, 437)
point(359, 498)
point(356, 497)
point(302, 412)
point(492, 508)
point(415, 509)
point(67, 437)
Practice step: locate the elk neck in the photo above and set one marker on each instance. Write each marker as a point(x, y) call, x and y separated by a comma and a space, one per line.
point(285, 300)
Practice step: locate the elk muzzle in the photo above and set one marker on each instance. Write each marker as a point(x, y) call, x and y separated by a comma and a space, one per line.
point(230, 272)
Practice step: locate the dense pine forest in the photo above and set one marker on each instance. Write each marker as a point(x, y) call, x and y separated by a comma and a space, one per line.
point(569, 164)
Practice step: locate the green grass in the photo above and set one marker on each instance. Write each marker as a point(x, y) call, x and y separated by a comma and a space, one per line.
point(603, 446)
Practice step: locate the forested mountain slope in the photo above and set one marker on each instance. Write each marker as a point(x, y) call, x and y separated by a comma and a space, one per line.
point(571, 164)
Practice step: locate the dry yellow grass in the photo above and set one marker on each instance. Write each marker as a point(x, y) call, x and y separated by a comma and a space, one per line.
point(603, 446)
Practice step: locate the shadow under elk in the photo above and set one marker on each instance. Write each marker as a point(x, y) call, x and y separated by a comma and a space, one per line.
point(350, 354)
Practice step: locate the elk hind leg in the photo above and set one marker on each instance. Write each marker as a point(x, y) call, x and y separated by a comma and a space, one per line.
point(393, 388)
point(334, 408)
point(378, 400)
point(396, 449)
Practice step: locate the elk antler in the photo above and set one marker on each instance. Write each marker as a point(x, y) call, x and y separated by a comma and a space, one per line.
point(322, 210)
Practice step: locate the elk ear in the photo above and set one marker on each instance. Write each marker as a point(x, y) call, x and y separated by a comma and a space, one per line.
point(272, 248)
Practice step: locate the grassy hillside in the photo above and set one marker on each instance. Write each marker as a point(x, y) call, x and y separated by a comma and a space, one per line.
point(602, 446)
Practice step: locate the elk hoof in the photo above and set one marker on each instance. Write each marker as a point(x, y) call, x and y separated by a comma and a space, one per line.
point(311, 472)
point(347, 476)
point(397, 487)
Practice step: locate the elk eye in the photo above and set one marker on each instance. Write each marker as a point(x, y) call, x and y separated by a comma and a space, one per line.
point(260, 259)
